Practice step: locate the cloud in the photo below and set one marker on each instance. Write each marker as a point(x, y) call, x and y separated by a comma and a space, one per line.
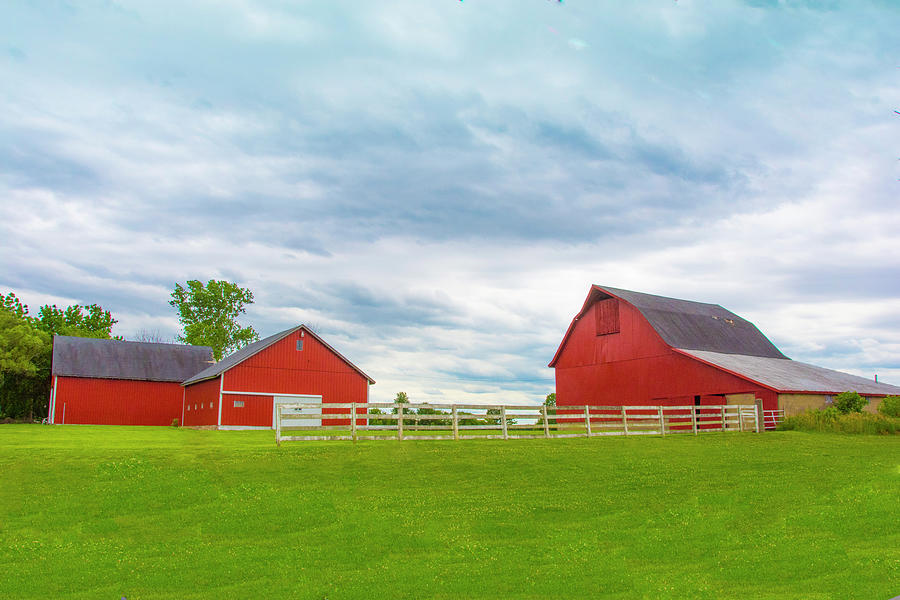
point(437, 189)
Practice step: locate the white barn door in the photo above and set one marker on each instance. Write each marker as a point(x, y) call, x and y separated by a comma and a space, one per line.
point(296, 411)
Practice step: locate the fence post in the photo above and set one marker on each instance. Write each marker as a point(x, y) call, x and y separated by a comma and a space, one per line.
point(353, 421)
point(546, 422)
point(503, 422)
point(624, 421)
point(662, 421)
point(277, 424)
point(741, 418)
point(724, 423)
point(400, 422)
point(455, 423)
point(694, 419)
point(760, 417)
point(587, 419)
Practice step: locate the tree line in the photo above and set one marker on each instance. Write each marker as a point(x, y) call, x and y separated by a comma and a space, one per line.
point(207, 313)
point(491, 416)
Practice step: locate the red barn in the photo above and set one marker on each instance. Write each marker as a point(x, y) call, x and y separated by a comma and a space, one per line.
point(111, 382)
point(296, 365)
point(633, 349)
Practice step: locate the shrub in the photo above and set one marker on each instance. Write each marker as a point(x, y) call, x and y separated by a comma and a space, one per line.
point(175, 422)
point(831, 420)
point(849, 402)
point(890, 406)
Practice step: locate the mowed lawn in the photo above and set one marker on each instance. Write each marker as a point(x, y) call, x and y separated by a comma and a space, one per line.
point(107, 512)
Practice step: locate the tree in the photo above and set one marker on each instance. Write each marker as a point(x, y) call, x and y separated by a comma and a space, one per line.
point(24, 359)
point(550, 403)
point(89, 321)
point(208, 315)
point(152, 336)
point(400, 398)
point(848, 402)
point(26, 349)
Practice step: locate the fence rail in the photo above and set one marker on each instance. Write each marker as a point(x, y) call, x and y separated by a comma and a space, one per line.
point(772, 418)
point(385, 421)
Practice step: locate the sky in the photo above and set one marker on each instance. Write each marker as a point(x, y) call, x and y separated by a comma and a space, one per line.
point(434, 186)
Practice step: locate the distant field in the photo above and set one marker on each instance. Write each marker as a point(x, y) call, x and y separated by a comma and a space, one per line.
point(106, 512)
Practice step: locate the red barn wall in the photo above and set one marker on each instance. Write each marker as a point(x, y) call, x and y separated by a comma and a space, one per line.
point(635, 367)
point(203, 400)
point(116, 401)
point(282, 369)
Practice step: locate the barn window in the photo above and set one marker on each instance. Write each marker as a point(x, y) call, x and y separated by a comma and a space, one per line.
point(195, 407)
point(239, 404)
point(607, 314)
point(189, 407)
point(211, 405)
point(299, 345)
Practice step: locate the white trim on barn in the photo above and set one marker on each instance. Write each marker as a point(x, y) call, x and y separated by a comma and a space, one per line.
point(221, 384)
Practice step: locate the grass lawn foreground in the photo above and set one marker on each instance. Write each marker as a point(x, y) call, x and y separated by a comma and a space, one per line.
point(149, 512)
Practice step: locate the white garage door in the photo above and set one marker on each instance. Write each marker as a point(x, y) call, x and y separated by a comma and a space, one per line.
point(299, 400)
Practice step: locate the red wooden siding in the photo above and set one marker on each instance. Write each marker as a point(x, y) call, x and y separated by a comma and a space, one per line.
point(203, 400)
point(635, 367)
point(117, 401)
point(256, 412)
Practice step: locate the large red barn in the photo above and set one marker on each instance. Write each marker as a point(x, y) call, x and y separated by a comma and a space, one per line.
point(112, 382)
point(632, 349)
point(295, 365)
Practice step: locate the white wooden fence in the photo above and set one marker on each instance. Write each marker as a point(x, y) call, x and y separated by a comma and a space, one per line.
point(359, 421)
point(772, 418)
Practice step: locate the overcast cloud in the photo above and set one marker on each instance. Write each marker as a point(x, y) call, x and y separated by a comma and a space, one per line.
point(435, 185)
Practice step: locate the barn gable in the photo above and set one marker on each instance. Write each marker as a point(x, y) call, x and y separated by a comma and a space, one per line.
point(244, 354)
point(684, 324)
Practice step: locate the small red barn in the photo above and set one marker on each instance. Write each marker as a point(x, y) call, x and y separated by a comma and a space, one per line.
point(296, 365)
point(629, 348)
point(112, 382)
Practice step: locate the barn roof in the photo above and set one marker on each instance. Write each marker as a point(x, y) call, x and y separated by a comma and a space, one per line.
point(687, 324)
point(239, 356)
point(115, 359)
point(785, 375)
point(697, 325)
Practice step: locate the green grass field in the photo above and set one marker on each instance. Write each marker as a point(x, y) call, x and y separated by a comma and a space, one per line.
point(107, 512)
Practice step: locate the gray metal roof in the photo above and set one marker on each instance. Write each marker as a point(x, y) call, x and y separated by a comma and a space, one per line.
point(238, 356)
point(787, 375)
point(115, 359)
point(698, 325)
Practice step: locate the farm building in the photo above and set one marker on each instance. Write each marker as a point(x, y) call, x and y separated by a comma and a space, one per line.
point(296, 365)
point(111, 382)
point(629, 348)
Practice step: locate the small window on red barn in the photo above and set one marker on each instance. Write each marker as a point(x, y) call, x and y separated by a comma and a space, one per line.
point(299, 345)
point(239, 404)
point(607, 314)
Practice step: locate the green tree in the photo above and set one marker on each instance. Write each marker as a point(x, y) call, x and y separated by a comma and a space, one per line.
point(26, 349)
point(890, 406)
point(401, 398)
point(550, 403)
point(24, 360)
point(208, 315)
point(848, 402)
point(90, 321)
